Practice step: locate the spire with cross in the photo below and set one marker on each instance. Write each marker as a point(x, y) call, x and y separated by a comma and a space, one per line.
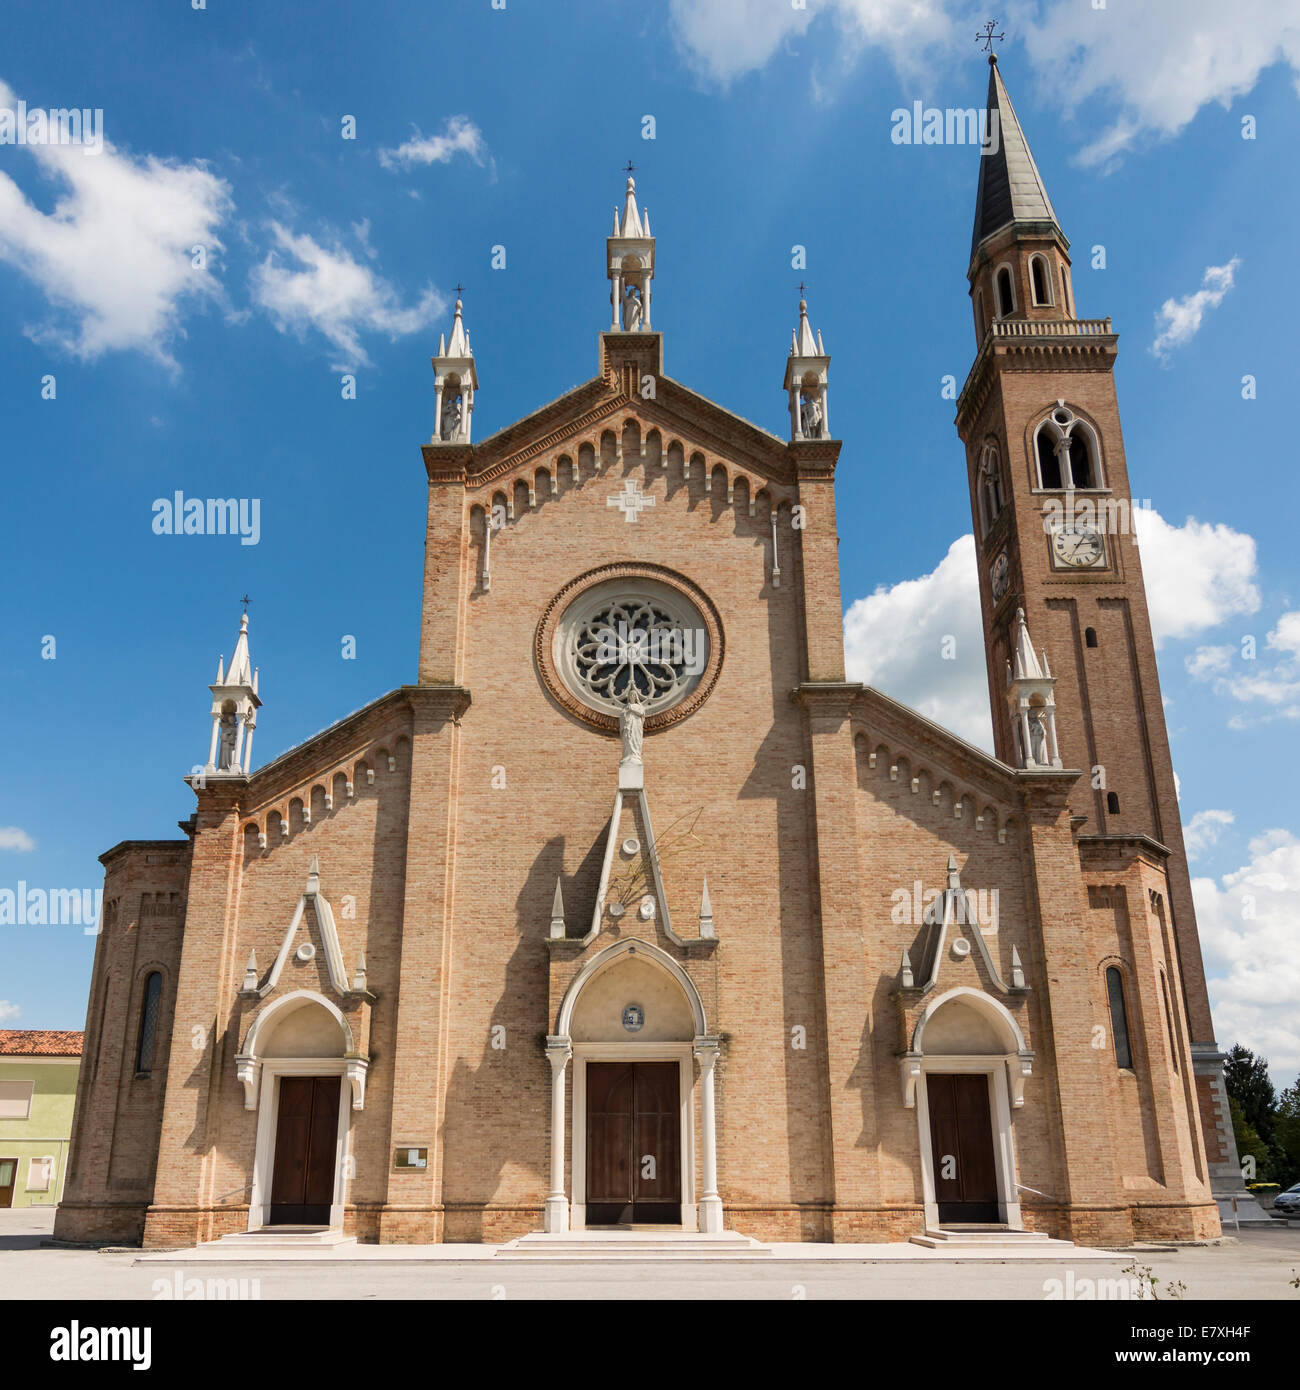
point(630, 262)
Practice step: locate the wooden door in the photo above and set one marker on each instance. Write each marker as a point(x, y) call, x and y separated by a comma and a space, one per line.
point(306, 1137)
point(8, 1179)
point(633, 1143)
point(961, 1147)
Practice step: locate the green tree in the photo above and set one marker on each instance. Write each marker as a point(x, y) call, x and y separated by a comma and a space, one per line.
point(1250, 1145)
point(1288, 1135)
point(1246, 1077)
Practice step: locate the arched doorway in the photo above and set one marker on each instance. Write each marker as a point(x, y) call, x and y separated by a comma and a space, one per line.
point(633, 1024)
point(969, 1060)
point(296, 1056)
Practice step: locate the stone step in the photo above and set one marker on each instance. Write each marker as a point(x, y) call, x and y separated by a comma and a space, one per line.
point(281, 1238)
point(990, 1239)
point(601, 1245)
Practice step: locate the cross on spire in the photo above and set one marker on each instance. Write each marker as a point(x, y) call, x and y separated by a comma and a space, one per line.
point(629, 168)
point(987, 37)
point(245, 601)
point(802, 288)
point(460, 289)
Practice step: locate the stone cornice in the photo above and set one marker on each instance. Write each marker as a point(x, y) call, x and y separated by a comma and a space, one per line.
point(814, 459)
point(449, 701)
point(1126, 846)
point(178, 848)
point(1016, 345)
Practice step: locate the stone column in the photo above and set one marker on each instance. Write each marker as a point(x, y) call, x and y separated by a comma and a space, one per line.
point(558, 1051)
point(706, 1053)
point(212, 747)
point(618, 302)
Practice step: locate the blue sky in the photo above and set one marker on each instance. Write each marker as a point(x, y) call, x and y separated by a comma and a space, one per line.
point(478, 127)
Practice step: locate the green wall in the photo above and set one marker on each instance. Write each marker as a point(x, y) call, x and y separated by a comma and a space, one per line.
point(48, 1128)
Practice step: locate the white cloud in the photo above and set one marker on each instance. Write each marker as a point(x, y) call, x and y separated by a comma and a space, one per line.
point(1197, 575)
point(328, 291)
point(1203, 830)
point(115, 256)
point(1151, 65)
point(1276, 687)
point(1205, 662)
point(1158, 61)
point(12, 837)
point(459, 136)
point(1179, 320)
point(894, 639)
point(1247, 926)
point(9, 1013)
point(1285, 637)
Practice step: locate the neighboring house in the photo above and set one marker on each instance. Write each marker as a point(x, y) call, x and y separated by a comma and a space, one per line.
point(38, 1084)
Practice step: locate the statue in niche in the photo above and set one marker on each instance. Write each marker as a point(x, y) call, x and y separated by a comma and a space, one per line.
point(451, 417)
point(226, 744)
point(631, 310)
point(810, 417)
point(1037, 737)
point(630, 726)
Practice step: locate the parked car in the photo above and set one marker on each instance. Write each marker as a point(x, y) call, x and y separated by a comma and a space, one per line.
point(1288, 1201)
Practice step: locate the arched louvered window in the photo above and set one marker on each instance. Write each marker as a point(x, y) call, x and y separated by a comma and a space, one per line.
point(1040, 280)
point(1118, 1018)
point(146, 1045)
point(1090, 637)
point(1006, 292)
point(1112, 803)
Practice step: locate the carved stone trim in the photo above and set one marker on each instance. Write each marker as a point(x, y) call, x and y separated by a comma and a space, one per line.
point(631, 572)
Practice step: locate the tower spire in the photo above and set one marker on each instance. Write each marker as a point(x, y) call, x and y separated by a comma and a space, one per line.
point(630, 264)
point(235, 704)
point(455, 380)
point(1011, 190)
point(807, 372)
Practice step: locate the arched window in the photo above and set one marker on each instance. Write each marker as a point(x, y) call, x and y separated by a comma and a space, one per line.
point(1006, 292)
point(1118, 1018)
point(1112, 803)
point(1049, 465)
point(148, 1038)
point(990, 486)
point(1090, 637)
point(1080, 460)
point(1040, 279)
point(1064, 442)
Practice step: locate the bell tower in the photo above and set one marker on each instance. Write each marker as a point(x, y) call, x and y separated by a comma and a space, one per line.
point(1058, 556)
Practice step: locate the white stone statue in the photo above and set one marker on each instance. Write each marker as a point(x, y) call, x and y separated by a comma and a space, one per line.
point(811, 422)
point(451, 417)
point(1037, 737)
point(630, 725)
point(229, 736)
point(631, 310)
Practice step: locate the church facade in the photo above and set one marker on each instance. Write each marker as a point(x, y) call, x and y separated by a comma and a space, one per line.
point(632, 908)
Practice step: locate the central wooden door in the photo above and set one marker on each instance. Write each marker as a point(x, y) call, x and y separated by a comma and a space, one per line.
point(634, 1171)
point(961, 1147)
point(8, 1180)
point(306, 1137)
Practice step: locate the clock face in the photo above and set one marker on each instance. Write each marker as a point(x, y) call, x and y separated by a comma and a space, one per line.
point(1078, 546)
point(1000, 575)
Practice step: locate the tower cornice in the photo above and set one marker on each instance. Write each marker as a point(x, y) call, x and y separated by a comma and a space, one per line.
point(1021, 345)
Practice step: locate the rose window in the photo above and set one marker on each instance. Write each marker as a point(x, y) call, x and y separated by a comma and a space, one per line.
point(616, 642)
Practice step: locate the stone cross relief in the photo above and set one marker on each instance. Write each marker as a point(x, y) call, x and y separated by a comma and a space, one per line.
point(631, 500)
